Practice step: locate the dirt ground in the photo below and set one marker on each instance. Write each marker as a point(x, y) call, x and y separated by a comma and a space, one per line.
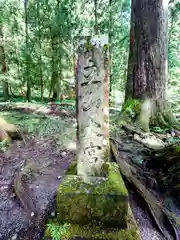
point(46, 145)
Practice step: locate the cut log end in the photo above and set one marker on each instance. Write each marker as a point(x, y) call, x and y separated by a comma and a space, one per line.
point(9, 132)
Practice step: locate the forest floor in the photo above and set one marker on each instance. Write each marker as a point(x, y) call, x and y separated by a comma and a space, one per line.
point(50, 143)
point(50, 146)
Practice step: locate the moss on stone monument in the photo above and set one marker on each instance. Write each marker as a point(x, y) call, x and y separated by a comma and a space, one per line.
point(73, 231)
point(105, 201)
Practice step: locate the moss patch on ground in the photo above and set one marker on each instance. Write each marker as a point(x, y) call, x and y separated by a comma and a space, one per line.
point(72, 169)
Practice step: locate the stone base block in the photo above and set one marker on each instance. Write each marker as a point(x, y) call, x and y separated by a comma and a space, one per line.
point(69, 231)
point(104, 202)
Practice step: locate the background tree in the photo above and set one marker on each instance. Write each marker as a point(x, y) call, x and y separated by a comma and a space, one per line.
point(3, 65)
point(43, 15)
point(148, 61)
point(28, 80)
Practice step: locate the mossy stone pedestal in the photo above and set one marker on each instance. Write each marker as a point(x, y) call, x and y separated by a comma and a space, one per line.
point(102, 204)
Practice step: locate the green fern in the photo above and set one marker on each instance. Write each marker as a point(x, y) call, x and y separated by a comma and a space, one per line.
point(55, 230)
point(131, 106)
point(159, 130)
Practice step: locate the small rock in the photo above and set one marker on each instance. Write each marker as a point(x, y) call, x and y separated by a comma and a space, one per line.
point(53, 214)
point(168, 135)
point(3, 188)
point(32, 214)
point(173, 134)
point(14, 237)
point(63, 154)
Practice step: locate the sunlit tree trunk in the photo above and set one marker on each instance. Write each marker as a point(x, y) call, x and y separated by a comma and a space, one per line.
point(61, 79)
point(131, 64)
point(55, 75)
point(148, 60)
point(3, 66)
point(110, 48)
point(56, 61)
point(96, 27)
point(28, 80)
point(40, 54)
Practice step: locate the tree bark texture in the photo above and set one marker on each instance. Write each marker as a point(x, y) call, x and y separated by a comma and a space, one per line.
point(92, 106)
point(147, 69)
point(54, 85)
point(3, 65)
point(40, 54)
point(148, 58)
point(28, 79)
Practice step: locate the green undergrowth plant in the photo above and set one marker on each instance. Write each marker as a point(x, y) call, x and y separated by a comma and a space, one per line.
point(131, 107)
point(129, 112)
point(66, 231)
point(177, 148)
point(4, 145)
point(43, 126)
point(54, 230)
point(159, 130)
point(173, 140)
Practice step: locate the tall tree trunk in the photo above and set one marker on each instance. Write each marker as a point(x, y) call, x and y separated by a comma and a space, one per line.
point(110, 48)
point(3, 66)
point(54, 86)
point(40, 54)
point(61, 78)
point(131, 64)
point(56, 63)
point(28, 93)
point(41, 77)
point(17, 62)
point(6, 91)
point(148, 58)
point(96, 26)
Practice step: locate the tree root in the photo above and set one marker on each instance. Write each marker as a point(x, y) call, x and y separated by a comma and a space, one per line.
point(166, 120)
point(155, 209)
point(149, 113)
point(29, 171)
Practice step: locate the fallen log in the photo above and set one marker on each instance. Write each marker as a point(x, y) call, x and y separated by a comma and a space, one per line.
point(161, 219)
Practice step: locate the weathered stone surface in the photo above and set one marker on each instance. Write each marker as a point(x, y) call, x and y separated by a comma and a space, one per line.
point(99, 232)
point(92, 105)
point(104, 201)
